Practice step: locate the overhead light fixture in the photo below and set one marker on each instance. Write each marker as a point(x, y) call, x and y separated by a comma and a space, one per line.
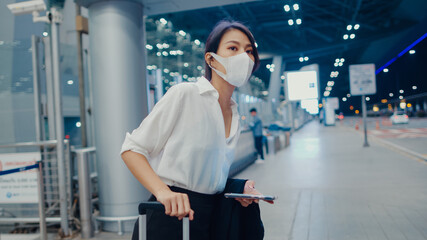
point(401, 91)
point(337, 60)
point(70, 82)
point(340, 64)
point(296, 7)
point(291, 22)
point(348, 95)
point(385, 70)
point(412, 51)
point(368, 98)
point(352, 36)
point(400, 97)
point(414, 87)
point(356, 26)
point(299, 21)
point(301, 59)
point(344, 99)
point(163, 21)
point(182, 33)
point(197, 42)
point(349, 27)
point(306, 58)
point(336, 64)
point(287, 8)
point(45, 35)
point(342, 60)
point(345, 36)
point(391, 94)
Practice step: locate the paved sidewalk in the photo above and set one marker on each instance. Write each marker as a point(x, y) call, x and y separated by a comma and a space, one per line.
point(331, 187)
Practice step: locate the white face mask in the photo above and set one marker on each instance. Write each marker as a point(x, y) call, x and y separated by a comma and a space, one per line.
point(238, 68)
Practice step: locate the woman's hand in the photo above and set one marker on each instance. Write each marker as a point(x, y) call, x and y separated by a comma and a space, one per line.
point(176, 204)
point(250, 189)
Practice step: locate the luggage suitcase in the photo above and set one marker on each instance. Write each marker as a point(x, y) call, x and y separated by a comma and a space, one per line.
point(157, 206)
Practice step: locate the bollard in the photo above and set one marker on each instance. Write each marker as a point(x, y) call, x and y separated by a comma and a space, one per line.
point(84, 195)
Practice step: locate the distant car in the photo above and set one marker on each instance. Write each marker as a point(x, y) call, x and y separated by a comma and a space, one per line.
point(399, 117)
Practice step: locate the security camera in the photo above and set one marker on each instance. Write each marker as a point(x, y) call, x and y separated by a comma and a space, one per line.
point(27, 7)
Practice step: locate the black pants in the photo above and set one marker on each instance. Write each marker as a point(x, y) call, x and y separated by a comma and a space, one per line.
point(163, 227)
point(258, 146)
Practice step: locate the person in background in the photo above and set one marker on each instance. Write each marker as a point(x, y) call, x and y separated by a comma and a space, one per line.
point(256, 126)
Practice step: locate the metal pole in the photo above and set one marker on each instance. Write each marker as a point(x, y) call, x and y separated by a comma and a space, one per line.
point(83, 126)
point(59, 122)
point(84, 195)
point(49, 88)
point(365, 144)
point(36, 85)
point(43, 229)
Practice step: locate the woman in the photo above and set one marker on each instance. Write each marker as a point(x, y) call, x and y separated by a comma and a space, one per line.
point(183, 149)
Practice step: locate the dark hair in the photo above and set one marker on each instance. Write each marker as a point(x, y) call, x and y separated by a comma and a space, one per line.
point(252, 110)
point(212, 43)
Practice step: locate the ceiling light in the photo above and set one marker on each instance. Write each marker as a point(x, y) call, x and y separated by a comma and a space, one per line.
point(412, 51)
point(182, 33)
point(296, 7)
point(70, 82)
point(287, 8)
point(368, 98)
point(45, 34)
point(340, 64)
point(328, 88)
point(390, 94)
point(306, 58)
point(400, 97)
point(348, 95)
point(401, 91)
point(356, 26)
point(336, 64)
point(326, 93)
point(149, 47)
point(345, 36)
point(337, 60)
point(344, 99)
point(385, 70)
point(301, 59)
point(414, 87)
point(197, 42)
point(163, 21)
point(352, 36)
point(186, 64)
point(290, 22)
point(299, 21)
point(349, 27)
point(342, 60)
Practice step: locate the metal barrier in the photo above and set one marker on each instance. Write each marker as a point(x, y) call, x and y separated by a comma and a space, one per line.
point(57, 197)
point(85, 190)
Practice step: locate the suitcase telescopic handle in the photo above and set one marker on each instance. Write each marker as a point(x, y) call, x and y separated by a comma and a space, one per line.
point(144, 206)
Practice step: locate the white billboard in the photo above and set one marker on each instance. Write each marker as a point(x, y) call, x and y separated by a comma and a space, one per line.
point(362, 79)
point(19, 187)
point(301, 85)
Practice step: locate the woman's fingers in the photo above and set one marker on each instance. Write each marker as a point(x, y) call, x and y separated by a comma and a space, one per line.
point(176, 205)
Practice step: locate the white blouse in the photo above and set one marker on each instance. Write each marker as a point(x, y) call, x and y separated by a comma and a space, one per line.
point(183, 138)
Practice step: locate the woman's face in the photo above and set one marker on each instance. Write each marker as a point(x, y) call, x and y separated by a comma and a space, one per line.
point(233, 42)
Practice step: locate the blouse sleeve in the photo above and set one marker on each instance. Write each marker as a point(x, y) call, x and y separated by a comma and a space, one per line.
point(152, 134)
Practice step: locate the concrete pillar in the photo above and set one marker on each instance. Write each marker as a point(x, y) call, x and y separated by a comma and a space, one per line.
point(118, 65)
point(275, 85)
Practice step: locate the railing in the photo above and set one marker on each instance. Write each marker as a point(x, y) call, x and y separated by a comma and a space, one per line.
point(55, 198)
